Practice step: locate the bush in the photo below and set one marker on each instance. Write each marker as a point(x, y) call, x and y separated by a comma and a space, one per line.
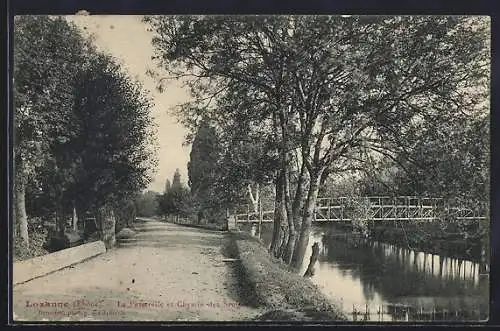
point(37, 240)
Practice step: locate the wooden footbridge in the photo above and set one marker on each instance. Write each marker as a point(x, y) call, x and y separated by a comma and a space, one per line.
point(407, 208)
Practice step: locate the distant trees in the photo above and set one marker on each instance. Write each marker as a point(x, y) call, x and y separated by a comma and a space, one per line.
point(176, 180)
point(147, 204)
point(328, 93)
point(82, 126)
point(177, 200)
point(167, 185)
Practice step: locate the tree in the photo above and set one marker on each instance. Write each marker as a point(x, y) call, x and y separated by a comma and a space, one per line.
point(426, 81)
point(82, 126)
point(177, 201)
point(147, 204)
point(203, 168)
point(165, 204)
point(181, 202)
point(334, 89)
point(176, 180)
point(167, 185)
point(48, 53)
point(112, 156)
point(125, 213)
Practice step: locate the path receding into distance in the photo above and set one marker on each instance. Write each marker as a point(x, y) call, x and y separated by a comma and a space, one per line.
point(166, 273)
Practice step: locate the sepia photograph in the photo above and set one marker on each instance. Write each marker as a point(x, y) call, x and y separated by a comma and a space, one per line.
point(250, 168)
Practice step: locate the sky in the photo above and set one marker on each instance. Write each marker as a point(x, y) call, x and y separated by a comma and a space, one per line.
point(126, 38)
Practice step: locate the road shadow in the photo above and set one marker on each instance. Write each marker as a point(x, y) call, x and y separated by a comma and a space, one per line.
point(240, 289)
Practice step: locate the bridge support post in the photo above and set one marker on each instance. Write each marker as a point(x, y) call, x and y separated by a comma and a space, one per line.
point(329, 214)
point(261, 216)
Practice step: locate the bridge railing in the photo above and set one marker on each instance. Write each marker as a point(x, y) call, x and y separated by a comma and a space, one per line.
point(379, 208)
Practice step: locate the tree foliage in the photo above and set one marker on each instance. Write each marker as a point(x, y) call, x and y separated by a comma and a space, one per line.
point(112, 155)
point(146, 204)
point(83, 134)
point(177, 201)
point(329, 92)
point(203, 167)
point(47, 57)
point(176, 180)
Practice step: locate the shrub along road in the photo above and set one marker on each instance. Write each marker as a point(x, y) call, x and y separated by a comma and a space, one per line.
point(164, 273)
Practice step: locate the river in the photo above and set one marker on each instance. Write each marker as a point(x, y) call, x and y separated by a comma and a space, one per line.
point(375, 281)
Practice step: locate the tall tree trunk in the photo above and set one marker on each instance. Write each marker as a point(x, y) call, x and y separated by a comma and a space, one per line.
point(60, 215)
point(292, 232)
point(255, 199)
point(298, 202)
point(275, 242)
point(261, 214)
point(441, 260)
point(284, 240)
point(106, 218)
point(303, 239)
point(285, 165)
point(20, 206)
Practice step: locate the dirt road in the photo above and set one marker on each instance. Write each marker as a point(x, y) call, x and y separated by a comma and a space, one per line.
point(166, 273)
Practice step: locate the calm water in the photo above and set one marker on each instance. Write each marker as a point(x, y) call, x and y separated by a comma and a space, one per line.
point(380, 282)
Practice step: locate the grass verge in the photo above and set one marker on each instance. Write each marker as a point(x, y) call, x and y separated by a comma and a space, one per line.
point(285, 295)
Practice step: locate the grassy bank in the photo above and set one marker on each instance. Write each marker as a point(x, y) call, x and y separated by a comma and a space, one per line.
point(284, 294)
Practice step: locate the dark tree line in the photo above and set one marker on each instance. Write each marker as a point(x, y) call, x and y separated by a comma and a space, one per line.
point(82, 128)
point(176, 200)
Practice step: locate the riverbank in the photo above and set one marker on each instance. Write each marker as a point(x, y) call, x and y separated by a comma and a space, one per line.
point(283, 294)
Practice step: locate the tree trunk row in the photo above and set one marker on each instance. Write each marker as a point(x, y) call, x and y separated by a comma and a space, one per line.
point(295, 217)
point(296, 212)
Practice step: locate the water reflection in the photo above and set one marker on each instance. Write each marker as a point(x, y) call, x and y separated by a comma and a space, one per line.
point(382, 282)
